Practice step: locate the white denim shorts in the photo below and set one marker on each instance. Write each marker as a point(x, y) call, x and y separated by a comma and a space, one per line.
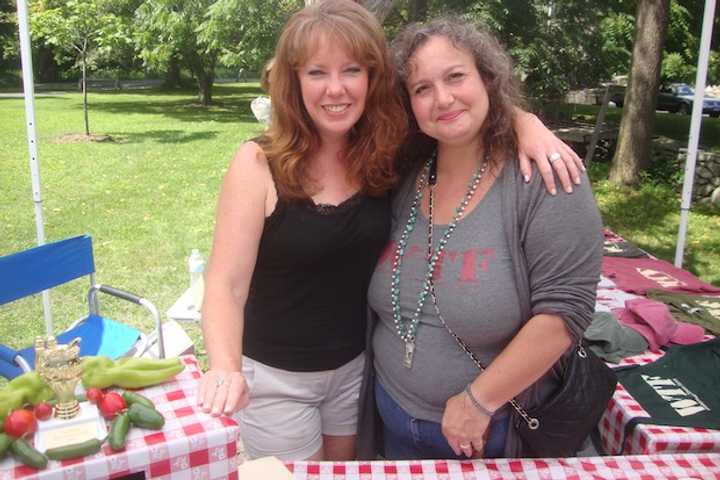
point(290, 411)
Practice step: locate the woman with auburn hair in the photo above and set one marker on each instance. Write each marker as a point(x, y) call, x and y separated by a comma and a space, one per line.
point(302, 216)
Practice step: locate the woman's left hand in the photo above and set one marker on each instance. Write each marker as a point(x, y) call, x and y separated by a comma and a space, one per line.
point(464, 426)
point(536, 142)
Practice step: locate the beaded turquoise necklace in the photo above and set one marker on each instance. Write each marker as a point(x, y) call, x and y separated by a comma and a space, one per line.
point(406, 328)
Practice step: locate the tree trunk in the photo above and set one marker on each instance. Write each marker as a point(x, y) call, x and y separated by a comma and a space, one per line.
point(203, 69)
point(205, 83)
point(83, 60)
point(47, 69)
point(381, 8)
point(172, 77)
point(636, 127)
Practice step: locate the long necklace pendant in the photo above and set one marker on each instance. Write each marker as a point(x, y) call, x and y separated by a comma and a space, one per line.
point(409, 352)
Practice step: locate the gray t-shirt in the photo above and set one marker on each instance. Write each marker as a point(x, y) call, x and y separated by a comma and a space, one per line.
point(555, 242)
point(477, 297)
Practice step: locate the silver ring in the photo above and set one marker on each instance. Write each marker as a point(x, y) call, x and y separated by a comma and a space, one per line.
point(465, 446)
point(554, 157)
point(219, 381)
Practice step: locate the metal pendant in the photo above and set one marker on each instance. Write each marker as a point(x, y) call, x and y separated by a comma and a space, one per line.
point(409, 352)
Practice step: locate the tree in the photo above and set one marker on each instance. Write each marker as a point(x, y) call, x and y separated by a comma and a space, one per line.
point(167, 28)
point(245, 31)
point(556, 45)
point(83, 29)
point(9, 45)
point(636, 126)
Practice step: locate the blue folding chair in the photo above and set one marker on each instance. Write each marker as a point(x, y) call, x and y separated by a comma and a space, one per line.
point(36, 269)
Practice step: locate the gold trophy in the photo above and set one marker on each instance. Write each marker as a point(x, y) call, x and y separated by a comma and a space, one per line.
point(59, 367)
point(74, 422)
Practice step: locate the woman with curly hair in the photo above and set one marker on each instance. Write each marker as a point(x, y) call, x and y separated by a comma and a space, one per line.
point(479, 263)
point(302, 216)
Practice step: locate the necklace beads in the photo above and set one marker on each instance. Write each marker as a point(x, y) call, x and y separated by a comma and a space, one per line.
point(407, 328)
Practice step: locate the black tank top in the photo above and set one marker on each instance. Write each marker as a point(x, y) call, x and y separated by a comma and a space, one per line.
point(307, 301)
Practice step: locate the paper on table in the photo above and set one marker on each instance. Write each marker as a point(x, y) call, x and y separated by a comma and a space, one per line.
point(266, 468)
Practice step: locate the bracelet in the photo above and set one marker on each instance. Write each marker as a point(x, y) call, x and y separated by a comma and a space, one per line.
point(477, 404)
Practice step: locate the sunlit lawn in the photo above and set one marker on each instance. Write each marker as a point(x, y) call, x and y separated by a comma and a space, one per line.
point(149, 196)
point(146, 198)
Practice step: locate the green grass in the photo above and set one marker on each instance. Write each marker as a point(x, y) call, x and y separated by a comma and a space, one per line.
point(146, 199)
point(649, 217)
point(149, 197)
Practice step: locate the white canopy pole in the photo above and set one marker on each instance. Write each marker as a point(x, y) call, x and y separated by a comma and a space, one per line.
point(29, 91)
point(694, 138)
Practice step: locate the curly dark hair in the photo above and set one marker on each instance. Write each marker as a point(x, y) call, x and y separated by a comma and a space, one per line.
point(495, 68)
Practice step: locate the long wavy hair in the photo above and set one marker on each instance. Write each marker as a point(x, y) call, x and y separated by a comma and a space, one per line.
point(495, 68)
point(292, 138)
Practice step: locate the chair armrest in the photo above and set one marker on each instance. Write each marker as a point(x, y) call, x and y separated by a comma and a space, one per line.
point(13, 357)
point(130, 297)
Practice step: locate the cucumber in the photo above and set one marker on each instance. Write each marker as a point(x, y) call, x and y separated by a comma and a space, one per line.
point(82, 449)
point(24, 452)
point(118, 432)
point(144, 417)
point(5, 442)
point(131, 398)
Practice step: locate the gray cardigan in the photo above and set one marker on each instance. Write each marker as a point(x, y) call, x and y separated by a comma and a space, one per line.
point(556, 244)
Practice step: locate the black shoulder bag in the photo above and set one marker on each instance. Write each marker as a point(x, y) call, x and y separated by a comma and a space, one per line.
point(559, 426)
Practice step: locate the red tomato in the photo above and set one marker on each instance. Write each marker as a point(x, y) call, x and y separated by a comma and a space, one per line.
point(94, 395)
point(20, 423)
point(111, 404)
point(43, 411)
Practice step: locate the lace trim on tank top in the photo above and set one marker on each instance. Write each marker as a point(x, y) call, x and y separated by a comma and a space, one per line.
point(319, 208)
point(330, 209)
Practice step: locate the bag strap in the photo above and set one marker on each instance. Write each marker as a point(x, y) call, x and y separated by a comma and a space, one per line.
point(532, 422)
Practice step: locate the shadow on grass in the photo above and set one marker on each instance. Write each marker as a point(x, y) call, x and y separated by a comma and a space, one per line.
point(230, 104)
point(163, 136)
point(44, 96)
point(219, 90)
point(224, 111)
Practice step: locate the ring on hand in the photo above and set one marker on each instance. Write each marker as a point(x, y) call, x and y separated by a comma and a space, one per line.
point(219, 381)
point(465, 446)
point(554, 157)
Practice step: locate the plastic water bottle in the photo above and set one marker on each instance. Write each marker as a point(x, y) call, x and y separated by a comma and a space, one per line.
point(196, 266)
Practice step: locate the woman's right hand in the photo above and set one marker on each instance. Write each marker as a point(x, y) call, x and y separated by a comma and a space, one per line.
point(222, 392)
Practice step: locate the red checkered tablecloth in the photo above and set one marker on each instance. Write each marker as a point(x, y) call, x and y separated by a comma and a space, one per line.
point(649, 439)
point(677, 467)
point(192, 444)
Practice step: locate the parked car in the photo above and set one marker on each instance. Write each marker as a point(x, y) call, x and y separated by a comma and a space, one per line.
point(675, 98)
point(678, 98)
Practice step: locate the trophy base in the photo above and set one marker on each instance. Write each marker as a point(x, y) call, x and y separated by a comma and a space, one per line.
point(56, 432)
point(67, 411)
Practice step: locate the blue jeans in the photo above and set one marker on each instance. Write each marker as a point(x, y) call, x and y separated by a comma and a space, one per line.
point(409, 438)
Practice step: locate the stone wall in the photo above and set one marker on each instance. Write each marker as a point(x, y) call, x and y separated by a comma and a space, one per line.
point(706, 187)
